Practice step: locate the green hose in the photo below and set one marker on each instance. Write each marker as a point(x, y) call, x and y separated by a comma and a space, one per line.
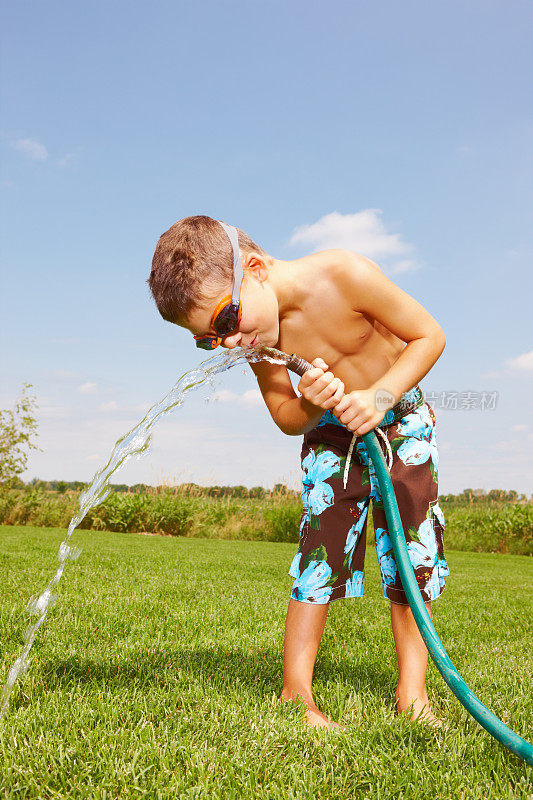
point(464, 694)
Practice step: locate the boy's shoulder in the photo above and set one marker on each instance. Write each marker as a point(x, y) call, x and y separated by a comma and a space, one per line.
point(336, 259)
point(335, 266)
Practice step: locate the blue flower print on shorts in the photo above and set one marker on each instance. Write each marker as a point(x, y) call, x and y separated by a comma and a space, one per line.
point(329, 564)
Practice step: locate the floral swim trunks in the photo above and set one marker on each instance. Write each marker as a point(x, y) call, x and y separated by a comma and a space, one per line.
point(329, 563)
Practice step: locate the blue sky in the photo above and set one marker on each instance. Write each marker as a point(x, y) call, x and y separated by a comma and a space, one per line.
point(402, 131)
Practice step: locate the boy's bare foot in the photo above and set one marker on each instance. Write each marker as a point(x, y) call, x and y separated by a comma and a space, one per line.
point(419, 707)
point(313, 717)
point(316, 719)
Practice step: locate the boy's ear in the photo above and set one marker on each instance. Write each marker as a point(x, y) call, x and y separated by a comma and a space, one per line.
point(256, 263)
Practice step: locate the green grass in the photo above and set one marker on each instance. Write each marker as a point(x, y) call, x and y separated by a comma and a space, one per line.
point(156, 675)
point(490, 527)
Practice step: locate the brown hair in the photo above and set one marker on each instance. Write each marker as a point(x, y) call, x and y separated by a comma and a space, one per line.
point(192, 263)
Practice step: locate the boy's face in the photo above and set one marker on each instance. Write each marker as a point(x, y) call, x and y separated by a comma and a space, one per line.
point(259, 315)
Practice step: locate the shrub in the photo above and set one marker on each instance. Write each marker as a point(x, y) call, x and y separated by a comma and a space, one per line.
point(283, 521)
point(494, 527)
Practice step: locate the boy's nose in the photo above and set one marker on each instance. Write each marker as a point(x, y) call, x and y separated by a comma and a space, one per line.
point(232, 341)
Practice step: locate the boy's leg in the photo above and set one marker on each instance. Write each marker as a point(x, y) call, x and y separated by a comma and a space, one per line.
point(415, 480)
point(303, 631)
point(329, 563)
point(412, 657)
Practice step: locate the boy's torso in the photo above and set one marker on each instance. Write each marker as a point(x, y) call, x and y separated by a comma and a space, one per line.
point(357, 348)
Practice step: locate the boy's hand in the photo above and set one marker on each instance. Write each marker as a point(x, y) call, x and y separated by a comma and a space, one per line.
point(357, 410)
point(320, 387)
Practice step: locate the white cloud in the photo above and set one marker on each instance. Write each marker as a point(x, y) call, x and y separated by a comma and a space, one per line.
point(69, 157)
point(249, 399)
point(525, 361)
point(49, 411)
point(66, 158)
point(112, 405)
point(363, 232)
point(407, 265)
point(29, 147)
point(224, 396)
point(60, 374)
point(252, 397)
point(87, 388)
point(142, 407)
point(50, 408)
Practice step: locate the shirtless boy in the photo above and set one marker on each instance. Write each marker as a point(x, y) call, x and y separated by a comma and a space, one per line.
point(370, 344)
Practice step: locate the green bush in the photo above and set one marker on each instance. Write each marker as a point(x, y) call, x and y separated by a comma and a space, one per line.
point(283, 521)
point(505, 528)
point(495, 527)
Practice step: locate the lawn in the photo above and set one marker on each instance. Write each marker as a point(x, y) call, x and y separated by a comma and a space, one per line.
point(157, 672)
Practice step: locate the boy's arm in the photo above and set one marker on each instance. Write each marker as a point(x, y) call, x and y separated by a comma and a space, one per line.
point(372, 293)
point(297, 416)
point(292, 414)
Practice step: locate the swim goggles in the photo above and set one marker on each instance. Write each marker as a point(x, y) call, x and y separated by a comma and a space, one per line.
point(227, 314)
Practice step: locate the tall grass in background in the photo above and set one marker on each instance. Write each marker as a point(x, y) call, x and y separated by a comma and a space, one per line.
point(495, 526)
point(171, 512)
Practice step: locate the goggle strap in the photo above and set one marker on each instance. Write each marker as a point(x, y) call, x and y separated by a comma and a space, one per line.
point(233, 236)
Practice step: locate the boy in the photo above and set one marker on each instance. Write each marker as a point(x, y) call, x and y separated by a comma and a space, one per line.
point(375, 343)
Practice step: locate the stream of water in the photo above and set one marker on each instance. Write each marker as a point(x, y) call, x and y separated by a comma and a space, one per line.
point(134, 443)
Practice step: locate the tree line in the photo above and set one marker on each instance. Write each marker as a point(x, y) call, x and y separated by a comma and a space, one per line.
point(183, 489)
point(471, 497)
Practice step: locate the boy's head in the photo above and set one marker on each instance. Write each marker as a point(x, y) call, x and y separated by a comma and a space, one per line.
point(192, 269)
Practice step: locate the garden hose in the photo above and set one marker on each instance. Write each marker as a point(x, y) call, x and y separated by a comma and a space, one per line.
point(444, 664)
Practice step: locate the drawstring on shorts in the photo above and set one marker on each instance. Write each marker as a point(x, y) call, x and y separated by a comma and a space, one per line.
point(408, 404)
point(388, 453)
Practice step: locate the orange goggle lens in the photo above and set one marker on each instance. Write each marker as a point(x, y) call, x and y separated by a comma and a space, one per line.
point(225, 319)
